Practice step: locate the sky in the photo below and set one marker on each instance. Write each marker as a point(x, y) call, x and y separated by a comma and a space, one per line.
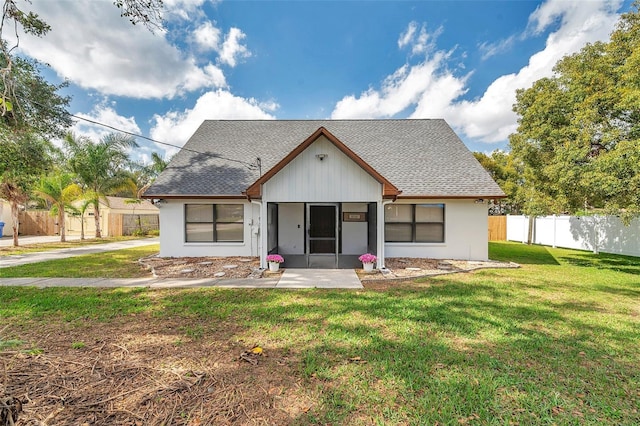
point(458, 60)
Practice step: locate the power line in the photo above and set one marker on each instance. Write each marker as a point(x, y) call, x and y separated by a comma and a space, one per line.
point(251, 166)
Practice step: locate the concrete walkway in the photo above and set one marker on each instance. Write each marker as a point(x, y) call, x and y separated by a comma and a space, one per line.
point(290, 279)
point(23, 259)
point(24, 240)
point(319, 278)
point(139, 282)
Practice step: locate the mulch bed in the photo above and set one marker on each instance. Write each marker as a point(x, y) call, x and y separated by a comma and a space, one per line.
point(203, 267)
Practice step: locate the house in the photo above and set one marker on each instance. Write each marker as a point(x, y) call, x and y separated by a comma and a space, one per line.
point(118, 216)
point(5, 217)
point(323, 192)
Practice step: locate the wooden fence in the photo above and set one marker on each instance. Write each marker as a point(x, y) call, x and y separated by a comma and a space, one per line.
point(497, 228)
point(37, 222)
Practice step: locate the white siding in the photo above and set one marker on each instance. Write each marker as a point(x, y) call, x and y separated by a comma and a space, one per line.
point(307, 179)
point(291, 228)
point(465, 235)
point(354, 234)
point(172, 232)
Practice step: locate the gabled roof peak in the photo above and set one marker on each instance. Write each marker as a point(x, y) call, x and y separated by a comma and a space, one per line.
point(388, 189)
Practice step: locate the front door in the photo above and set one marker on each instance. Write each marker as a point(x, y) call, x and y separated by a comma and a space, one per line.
point(322, 235)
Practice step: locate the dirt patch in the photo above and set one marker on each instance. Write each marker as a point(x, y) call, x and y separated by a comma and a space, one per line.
point(147, 371)
point(203, 267)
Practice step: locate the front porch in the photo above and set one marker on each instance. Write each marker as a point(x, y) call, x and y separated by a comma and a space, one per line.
point(322, 235)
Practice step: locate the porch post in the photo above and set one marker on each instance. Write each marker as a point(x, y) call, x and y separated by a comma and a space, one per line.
point(380, 234)
point(262, 232)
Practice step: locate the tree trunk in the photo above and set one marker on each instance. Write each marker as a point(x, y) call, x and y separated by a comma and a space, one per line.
point(82, 226)
point(61, 224)
point(96, 215)
point(532, 222)
point(16, 222)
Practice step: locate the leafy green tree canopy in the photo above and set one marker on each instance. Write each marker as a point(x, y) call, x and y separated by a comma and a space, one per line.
point(578, 137)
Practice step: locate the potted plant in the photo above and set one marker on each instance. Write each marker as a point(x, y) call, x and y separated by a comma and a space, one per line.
point(274, 262)
point(368, 260)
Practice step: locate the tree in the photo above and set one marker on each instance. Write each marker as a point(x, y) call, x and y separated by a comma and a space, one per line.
point(81, 209)
point(59, 191)
point(23, 159)
point(141, 176)
point(28, 102)
point(100, 167)
point(504, 171)
point(578, 137)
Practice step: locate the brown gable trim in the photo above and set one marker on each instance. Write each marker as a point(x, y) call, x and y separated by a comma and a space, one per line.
point(388, 189)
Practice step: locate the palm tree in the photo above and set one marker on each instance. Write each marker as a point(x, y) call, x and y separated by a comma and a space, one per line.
point(59, 191)
point(141, 176)
point(82, 209)
point(100, 167)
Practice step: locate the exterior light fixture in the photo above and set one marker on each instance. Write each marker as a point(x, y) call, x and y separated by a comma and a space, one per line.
point(321, 156)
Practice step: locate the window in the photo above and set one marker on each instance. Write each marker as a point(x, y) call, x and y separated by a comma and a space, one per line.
point(223, 223)
point(414, 223)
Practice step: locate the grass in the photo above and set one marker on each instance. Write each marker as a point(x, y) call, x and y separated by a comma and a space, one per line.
point(111, 264)
point(555, 342)
point(34, 248)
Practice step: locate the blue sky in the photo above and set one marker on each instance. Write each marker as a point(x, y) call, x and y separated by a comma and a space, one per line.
point(457, 60)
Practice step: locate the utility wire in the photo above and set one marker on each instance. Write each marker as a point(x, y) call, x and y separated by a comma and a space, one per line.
point(251, 166)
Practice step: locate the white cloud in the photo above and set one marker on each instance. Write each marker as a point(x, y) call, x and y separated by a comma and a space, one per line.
point(407, 36)
point(432, 90)
point(490, 118)
point(232, 48)
point(177, 127)
point(406, 87)
point(105, 114)
point(491, 49)
point(95, 48)
point(183, 9)
point(421, 42)
point(207, 36)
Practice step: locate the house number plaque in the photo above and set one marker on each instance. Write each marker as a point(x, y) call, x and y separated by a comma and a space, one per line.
point(354, 217)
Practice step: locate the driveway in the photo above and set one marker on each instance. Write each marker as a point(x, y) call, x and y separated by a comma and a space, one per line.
point(34, 239)
point(23, 259)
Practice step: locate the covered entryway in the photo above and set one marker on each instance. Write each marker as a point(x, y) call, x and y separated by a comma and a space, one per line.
point(322, 235)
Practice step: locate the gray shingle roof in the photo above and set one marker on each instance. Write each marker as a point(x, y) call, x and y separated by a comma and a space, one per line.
point(420, 157)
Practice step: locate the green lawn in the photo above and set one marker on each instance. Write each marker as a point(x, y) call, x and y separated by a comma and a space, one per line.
point(111, 264)
point(32, 248)
point(555, 342)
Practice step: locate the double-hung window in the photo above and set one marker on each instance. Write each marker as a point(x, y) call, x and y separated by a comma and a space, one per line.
point(414, 223)
point(214, 223)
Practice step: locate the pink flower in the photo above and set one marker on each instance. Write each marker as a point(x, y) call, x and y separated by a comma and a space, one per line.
point(276, 258)
point(367, 258)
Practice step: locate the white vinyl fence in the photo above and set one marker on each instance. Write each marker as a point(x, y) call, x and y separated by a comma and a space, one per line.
point(605, 234)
